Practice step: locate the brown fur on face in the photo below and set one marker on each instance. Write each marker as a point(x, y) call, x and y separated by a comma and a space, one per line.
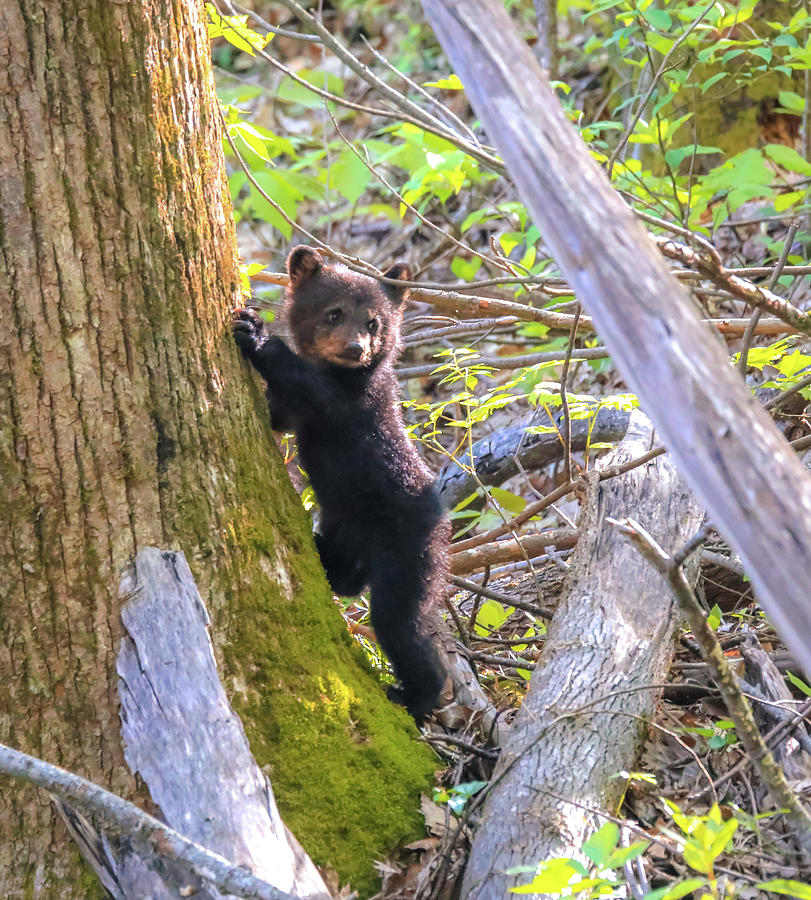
point(342, 317)
point(347, 333)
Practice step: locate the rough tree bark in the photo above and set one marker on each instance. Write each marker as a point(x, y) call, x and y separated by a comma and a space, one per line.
point(723, 441)
point(127, 419)
point(613, 632)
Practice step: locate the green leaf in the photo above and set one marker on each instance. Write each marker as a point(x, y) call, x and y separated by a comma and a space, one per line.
point(676, 155)
point(678, 816)
point(785, 40)
point(511, 502)
point(714, 618)
point(623, 855)
point(291, 91)
point(451, 83)
point(492, 615)
point(349, 176)
point(475, 217)
point(601, 844)
point(465, 269)
point(791, 101)
point(468, 788)
point(799, 684)
point(787, 886)
point(788, 158)
point(785, 201)
point(713, 79)
point(730, 55)
point(236, 31)
point(247, 133)
point(657, 18)
point(510, 241)
point(660, 42)
point(680, 889)
point(555, 875)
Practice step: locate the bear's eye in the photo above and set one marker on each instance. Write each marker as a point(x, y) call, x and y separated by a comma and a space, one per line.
point(335, 315)
point(373, 326)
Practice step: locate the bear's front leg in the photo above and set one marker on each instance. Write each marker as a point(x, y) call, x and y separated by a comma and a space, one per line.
point(249, 331)
point(296, 389)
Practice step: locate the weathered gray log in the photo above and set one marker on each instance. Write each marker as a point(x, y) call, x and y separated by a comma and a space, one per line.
point(182, 737)
point(156, 861)
point(612, 632)
point(738, 465)
point(495, 454)
point(763, 680)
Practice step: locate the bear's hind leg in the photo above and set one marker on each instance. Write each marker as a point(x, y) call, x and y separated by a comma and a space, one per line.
point(401, 600)
point(345, 567)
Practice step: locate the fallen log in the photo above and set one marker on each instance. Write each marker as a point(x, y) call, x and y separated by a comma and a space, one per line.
point(495, 456)
point(583, 718)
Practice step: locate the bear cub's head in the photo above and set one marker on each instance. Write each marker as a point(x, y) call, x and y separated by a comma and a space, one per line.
point(339, 316)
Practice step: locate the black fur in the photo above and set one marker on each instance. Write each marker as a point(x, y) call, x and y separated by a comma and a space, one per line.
point(382, 523)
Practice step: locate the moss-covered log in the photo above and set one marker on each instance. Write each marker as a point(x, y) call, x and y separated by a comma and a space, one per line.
point(126, 419)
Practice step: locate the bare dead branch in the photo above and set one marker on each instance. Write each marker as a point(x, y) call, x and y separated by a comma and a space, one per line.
point(508, 600)
point(757, 296)
point(471, 305)
point(125, 818)
point(532, 510)
point(510, 550)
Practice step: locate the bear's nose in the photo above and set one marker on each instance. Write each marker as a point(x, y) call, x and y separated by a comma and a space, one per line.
point(354, 350)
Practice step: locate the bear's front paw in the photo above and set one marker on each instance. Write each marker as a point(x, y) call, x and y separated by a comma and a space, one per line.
point(249, 330)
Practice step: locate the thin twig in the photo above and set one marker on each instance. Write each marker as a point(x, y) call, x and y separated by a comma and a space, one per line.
point(490, 594)
point(453, 120)
point(513, 362)
point(505, 662)
point(614, 471)
point(761, 297)
point(524, 516)
point(749, 334)
point(410, 206)
point(397, 116)
point(274, 29)
point(432, 737)
point(407, 108)
point(460, 329)
point(771, 737)
point(788, 393)
point(528, 546)
point(564, 401)
point(800, 444)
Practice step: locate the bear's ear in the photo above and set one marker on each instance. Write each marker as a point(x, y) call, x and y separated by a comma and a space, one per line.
point(397, 294)
point(302, 264)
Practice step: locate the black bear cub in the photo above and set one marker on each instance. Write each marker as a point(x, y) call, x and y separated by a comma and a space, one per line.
point(381, 523)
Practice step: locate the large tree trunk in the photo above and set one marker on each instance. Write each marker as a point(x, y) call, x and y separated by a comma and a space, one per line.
point(611, 637)
point(127, 419)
